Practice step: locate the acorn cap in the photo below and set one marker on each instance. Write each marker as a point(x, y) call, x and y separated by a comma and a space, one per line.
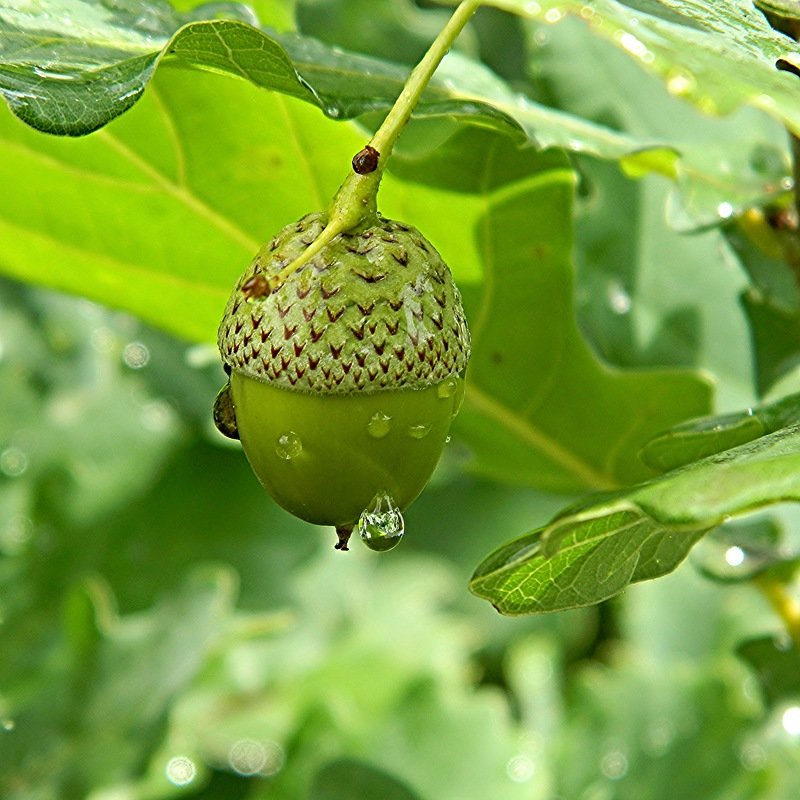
point(375, 309)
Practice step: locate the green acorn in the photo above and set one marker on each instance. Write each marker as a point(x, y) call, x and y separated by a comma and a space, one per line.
point(346, 345)
point(345, 373)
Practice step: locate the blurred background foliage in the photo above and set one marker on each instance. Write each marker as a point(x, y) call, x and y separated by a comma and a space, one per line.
point(167, 631)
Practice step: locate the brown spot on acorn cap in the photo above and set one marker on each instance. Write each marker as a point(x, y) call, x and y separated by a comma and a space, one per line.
point(255, 286)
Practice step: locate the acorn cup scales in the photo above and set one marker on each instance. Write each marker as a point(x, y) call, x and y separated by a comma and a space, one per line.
point(346, 374)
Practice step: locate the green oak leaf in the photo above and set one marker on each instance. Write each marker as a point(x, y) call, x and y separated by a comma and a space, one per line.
point(705, 436)
point(725, 163)
point(718, 56)
point(593, 550)
point(70, 68)
point(540, 407)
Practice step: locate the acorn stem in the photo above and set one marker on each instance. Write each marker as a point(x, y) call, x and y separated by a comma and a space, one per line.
point(356, 200)
point(385, 137)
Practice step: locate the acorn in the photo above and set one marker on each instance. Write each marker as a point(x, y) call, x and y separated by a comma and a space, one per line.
point(346, 348)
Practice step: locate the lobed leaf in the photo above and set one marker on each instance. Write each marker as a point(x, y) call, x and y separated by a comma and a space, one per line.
point(592, 551)
point(719, 56)
point(541, 409)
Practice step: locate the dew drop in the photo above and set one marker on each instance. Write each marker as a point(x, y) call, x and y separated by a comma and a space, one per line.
point(288, 445)
point(418, 431)
point(381, 525)
point(735, 556)
point(753, 757)
point(680, 82)
point(447, 388)
point(136, 355)
point(180, 770)
point(13, 462)
point(379, 425)
point(520, 768)
point(791, 720)
point(619, 299)
point(614, 765)
point(250, 757)
point(8, 724)
point(725, 210)
point(634, 46)
point(659, 737)
point(721, 559)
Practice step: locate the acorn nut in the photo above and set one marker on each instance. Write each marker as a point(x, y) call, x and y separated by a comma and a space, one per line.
point(345, 375)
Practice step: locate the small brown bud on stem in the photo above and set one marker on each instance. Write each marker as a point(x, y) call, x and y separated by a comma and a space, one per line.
point(366, 160)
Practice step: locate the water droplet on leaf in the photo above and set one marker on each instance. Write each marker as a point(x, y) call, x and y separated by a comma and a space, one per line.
point(379, 425)
point(381, 525)
point(289, 445)
point(680, 82)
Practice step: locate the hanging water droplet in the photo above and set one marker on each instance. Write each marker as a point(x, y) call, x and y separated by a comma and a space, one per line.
point(8, 724)
point(418, 431)
point(447, 388)
point(379, 425)
point(381, 525)
point(288, 445)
